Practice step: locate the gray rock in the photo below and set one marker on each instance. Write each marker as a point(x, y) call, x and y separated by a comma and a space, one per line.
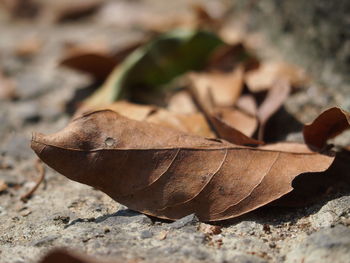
point(124, 216)
point(326, 245)
point(185, 221)
point(45, 241)
point(28, 112)
point(243, 258)
point(29, 85)
point(331, 212)
point(17, 147)
point(146, 234)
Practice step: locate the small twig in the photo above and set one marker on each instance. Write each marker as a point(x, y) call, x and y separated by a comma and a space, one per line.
point(41, 170)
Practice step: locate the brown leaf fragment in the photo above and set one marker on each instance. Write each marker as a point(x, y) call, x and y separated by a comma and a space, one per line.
point(96, 58)
point(228, 57)
point(170, 174)
point(287, 147)
point(327, 125)
point(181, 102)
point(223, 129)
point(93, 59)
point(275, 98)
point(131, 110)
point(224, 87)
point(194, 123)
point(237, 119)
point(247, 104)
point(264, 77)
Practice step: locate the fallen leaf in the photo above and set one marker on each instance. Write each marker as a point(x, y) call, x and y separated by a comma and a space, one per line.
point(247, 104)
point(228, 57)
point(155, 64)
point(286, 147)
point(169, 174)
point(97, 64)
point(246, 124)
point(264, 77)
point(96, 58)
point(194, 123)
point(181, 102)
point(275, 98)
point(327, 125)
point(225, 87)
point(131, 110)
point(222, 128)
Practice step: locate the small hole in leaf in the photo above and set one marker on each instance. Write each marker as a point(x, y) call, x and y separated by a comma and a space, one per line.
point(109, 141)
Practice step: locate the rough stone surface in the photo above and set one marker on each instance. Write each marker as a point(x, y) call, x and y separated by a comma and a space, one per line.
point(326, 245)
point(63, 213)
point(313, 33)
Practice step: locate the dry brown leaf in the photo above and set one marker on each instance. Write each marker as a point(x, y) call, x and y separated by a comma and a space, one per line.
point(287, 147)
point(327, 125)
point(246, 124)
point(225, 87)
point(131, 110)
point(268, 73)
point(194, 123)
point(96, 58)
point(275, 98)
point(169, 174)
point(181, 102)
point(228, 57)
point(223, 129)
point(247, 104)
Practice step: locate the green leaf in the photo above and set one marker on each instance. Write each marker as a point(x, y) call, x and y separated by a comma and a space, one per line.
point(151, 66)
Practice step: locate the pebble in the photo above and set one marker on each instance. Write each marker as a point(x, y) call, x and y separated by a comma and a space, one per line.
point(185, 221)
point(146, 234)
